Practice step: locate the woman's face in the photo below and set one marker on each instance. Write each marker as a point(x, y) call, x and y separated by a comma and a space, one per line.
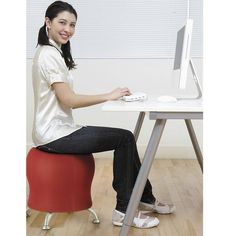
point(62, 27)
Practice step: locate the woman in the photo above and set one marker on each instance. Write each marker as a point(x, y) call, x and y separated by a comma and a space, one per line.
point(54, 129)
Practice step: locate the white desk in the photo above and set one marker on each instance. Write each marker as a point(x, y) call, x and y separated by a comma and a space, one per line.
point(183, 109)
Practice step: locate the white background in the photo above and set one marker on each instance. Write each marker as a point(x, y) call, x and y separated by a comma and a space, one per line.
point(219, 118)
point(123, 28)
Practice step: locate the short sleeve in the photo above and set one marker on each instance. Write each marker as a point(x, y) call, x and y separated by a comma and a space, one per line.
point(53, 67)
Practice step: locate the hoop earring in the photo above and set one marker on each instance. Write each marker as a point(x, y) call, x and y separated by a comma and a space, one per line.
point(46, 28)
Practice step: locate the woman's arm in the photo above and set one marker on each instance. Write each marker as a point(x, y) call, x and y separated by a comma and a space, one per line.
point(68, 98)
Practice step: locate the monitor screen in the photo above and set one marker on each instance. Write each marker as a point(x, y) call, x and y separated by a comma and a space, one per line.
point(182, 52)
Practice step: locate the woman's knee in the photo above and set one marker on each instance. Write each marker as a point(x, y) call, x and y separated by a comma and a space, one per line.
point(128, 136)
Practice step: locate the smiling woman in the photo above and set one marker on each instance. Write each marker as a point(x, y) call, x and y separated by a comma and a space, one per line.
point(61, 28)
point(54, 129)
point(60, 21)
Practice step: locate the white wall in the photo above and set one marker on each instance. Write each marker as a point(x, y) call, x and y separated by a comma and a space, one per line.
point(153, 76)
point(123, 28)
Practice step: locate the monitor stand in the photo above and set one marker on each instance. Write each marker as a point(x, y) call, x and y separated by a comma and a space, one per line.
point(196, 81)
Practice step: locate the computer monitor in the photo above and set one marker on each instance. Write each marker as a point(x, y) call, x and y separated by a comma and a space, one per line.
point(182, 61)
point(182, 52)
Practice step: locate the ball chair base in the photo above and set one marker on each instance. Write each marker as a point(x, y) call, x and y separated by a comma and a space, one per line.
point(48, 217)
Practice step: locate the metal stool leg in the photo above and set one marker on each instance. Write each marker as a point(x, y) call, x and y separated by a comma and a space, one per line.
point(46, 221)
point(27, 212)
point(95, 220)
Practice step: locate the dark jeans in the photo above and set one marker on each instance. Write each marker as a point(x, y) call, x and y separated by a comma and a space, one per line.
point(126, 164)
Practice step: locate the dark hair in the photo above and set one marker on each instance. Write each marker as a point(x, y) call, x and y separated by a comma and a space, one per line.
point(52, 11)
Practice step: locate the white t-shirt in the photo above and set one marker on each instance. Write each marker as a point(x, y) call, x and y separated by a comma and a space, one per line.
point(52, 120)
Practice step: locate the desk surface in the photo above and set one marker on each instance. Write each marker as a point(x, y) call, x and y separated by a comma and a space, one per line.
point(151, 104)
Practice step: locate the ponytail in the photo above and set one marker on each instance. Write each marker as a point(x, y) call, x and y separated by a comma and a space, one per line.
point(53, 10)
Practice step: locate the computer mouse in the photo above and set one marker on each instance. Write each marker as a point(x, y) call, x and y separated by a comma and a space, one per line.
point(166, 98)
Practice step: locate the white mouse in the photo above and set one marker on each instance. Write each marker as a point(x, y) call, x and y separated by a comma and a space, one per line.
point(166, 98)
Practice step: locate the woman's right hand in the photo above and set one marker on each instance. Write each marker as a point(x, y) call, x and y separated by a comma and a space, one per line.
point(118, 93)
point(68, 98)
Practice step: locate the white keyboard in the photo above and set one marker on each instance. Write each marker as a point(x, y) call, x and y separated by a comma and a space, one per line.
point(138, 96)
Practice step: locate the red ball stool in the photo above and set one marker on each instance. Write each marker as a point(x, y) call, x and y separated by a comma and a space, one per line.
point(59, 183)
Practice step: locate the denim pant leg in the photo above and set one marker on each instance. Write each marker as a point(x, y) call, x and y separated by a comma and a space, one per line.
point(126, 167)
point(126, 164)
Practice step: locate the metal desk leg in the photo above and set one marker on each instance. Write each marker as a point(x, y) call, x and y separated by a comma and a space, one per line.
point(143, 175)
point(194, 142)
point(139, 125)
